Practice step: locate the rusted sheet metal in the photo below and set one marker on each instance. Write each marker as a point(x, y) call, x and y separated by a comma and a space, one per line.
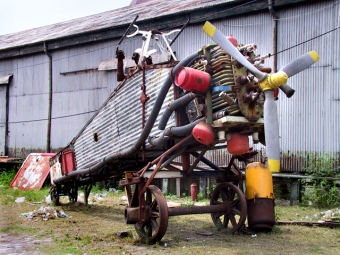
point(112, 64)
point(33, 172)
point(5, 159)
point(110, 129)
point(55, 171)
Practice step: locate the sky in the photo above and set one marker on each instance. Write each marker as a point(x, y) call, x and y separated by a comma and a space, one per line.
point(19, 15)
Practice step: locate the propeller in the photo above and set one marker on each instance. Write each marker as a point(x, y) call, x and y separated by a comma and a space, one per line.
point(267, 82)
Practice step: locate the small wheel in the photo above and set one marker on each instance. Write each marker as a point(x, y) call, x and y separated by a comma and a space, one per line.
point(155, 226)
point(234, 217)
point(55, 195)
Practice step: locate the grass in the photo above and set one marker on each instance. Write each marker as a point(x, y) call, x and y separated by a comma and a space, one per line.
point(34, 196)
point(93, 230)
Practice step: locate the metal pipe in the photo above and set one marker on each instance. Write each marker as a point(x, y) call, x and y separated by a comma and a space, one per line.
point(206, 161)
point(145, 133)
point(49, 114)
point(186, 23)
point(198, 209)
point(7, 117)
point(275, 19)
point(183, 130)
point(174, 106)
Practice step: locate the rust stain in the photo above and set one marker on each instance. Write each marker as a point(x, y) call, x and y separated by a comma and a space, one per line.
point(33, 172)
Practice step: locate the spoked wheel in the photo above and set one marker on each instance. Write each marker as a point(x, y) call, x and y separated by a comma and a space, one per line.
point(234, 217)
point(156, 224)
point(54, 195)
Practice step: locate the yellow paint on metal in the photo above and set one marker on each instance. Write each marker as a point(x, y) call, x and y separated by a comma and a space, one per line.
point(274, 165)
point(259, 181)
point(314, 55)
point(278, 79)
point(273, 81)
point(209, 29)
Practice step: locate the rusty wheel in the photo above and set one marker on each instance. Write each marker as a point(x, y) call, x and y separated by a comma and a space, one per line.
point(156, 224)
point(234, 217)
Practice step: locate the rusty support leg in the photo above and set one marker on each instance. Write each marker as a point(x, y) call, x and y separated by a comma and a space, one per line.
point(185, 161)
point(197, 160)
point(87, 190)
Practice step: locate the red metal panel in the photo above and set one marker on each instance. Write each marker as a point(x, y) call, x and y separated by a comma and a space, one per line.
point(33, 172)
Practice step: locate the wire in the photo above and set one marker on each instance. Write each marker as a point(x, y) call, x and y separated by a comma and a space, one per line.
point(305, 41)
point(60, 117)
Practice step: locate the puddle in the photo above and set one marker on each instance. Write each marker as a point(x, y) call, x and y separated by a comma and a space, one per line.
point(18, 245)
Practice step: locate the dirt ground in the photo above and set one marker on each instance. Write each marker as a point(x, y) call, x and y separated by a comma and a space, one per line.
point(93, 230)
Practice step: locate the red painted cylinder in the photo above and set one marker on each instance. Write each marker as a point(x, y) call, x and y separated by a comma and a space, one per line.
point(233, 40)
point(68, 163)
point(238, 144)
point(193, 190)
point(203, 133)
point(191, 79)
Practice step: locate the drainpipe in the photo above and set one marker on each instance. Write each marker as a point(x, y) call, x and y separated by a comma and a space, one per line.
point(48, 138)
point(274, 32)
point(6, 121)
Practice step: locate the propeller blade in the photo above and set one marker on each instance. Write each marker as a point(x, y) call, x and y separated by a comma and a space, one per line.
point(221, 40)
point(271, 131)
point(301, 63)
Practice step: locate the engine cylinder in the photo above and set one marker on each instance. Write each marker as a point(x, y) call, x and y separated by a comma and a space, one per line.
point(191, 79)
point(203, 133)
point(238, 144)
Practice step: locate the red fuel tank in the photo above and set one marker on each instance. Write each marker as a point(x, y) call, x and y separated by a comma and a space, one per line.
point(238, 144)
point(203, 133)
point(192, 80)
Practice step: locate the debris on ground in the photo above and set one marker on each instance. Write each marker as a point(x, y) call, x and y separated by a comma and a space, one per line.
point(329, 218)
point(20, 200)
point(122, 233)
point(205, 233)
point(45, 213)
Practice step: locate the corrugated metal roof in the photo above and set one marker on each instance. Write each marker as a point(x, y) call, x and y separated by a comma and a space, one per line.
point(149, 10)
point(109, 19)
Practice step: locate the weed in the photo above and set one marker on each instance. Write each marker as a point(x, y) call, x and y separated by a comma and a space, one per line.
point(211, 189)
point(321, 189)
point(188, 202)
point(170, 196)
point(219, 225)
point(200, 196)
point(6, 177)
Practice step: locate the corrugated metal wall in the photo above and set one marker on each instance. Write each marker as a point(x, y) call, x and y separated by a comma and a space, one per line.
point(2, 118)
point(28, 101)
point(308, 121)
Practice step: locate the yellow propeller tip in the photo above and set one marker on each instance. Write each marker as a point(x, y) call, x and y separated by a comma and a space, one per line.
point(209, 29)
point(274, 165)
point(314, 55)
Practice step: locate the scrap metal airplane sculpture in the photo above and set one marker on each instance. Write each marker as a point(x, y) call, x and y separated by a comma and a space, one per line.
point(213, 99)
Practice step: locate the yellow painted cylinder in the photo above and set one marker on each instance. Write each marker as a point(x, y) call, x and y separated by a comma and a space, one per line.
point(259, 181)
